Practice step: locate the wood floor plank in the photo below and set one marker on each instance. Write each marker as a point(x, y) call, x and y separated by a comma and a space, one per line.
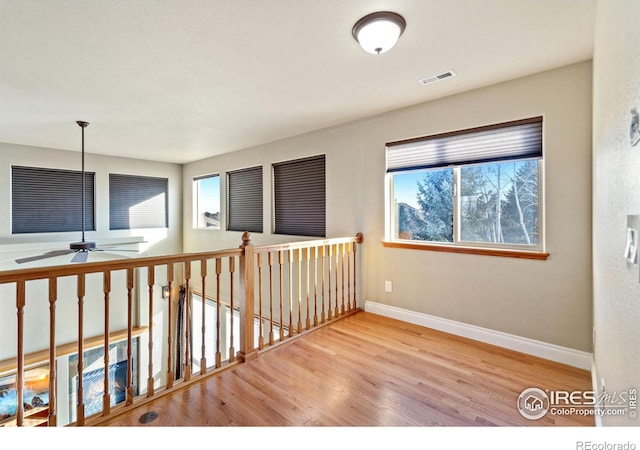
point(369, 370)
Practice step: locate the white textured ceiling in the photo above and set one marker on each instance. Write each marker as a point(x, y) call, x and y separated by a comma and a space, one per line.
point(182, 80)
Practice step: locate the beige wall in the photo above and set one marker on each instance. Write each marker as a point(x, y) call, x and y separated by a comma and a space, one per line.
point(160, 241)
point(616, 194)
point(548, 300)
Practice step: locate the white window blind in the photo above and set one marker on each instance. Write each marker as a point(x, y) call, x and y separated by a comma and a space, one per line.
point(520, 139)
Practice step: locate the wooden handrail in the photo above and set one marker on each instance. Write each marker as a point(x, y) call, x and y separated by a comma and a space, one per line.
point(359, 238)
point(238, 274)
point(39, 273)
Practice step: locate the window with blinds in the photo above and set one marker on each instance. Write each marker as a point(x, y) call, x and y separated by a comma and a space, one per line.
point(474, 187)
point(300, 197)
point(244, 194)
point(50, 200)
point(138, 202)
point(502, 142)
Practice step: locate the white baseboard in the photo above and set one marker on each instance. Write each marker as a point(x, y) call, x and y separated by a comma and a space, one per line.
point(564, 355)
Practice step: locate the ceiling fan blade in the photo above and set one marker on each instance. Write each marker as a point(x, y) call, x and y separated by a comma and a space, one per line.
point(114, 244)
point(115, 250)
point(50, 254)
point(80, 257)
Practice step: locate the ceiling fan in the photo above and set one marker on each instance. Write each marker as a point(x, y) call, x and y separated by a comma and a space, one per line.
point(83, 247)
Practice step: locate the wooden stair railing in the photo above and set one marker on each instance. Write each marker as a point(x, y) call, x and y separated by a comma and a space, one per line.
point(316, 283)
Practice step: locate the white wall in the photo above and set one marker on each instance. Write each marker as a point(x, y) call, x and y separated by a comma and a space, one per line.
point(163, 241)
point(160, 241)
point(616, 194)
point(548, 300)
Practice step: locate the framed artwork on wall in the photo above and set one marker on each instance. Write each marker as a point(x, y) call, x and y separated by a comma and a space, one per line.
point(35, 394)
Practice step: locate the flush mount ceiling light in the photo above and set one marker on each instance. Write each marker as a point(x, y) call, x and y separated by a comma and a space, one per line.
point(378, 32)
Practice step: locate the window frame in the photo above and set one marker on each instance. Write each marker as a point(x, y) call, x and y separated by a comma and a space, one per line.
point(195, 188)
point(90, 196)
point(458, 245)
point(275, 195)
point(230, 195)
point(115, 207)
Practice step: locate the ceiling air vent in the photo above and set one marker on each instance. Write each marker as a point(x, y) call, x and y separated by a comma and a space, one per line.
point(438, 77)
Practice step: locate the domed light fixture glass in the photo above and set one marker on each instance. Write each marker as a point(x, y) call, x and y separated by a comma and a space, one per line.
point(378, 32)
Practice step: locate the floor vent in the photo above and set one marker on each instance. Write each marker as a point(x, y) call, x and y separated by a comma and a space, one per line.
point(438, 77)
point(148, 417)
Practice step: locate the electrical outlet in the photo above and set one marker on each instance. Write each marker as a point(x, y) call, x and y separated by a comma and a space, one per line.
point(388, 286)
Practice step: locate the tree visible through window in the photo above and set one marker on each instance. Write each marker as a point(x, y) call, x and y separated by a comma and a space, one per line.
point(499, 203)
point(475, 202)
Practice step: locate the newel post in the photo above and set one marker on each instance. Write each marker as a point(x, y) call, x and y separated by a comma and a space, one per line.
point(247, 349)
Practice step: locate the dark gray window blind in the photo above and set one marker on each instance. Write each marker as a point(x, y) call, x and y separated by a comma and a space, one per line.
point(137, 202)
point(299, 197)
point(50, 200)
point(520, 139)
point(245, 200)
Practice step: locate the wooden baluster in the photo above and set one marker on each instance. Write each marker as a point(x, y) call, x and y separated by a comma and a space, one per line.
point(187, 323)
point(20, 304)
point(151, 279)
point(359, 240)
point(307, 253)
point(348, 253)
point(323, 257)
point(53, 407)
point(218, 309)
point(299, 290)
point(315, 286)
point(203, 357)
point(281, 263)
point(170, 373)
point(260, 330)
point(232, 349)
point(129, 399)
point(342, 252)
point(337, 263)
point(355, 276)
point(290, 259)
point(80, 401)
point(330, 311)
point(270, 259)
point(246, 300)
point(106, 395)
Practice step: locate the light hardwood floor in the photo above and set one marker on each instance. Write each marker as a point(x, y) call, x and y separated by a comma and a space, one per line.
point(368, 370)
